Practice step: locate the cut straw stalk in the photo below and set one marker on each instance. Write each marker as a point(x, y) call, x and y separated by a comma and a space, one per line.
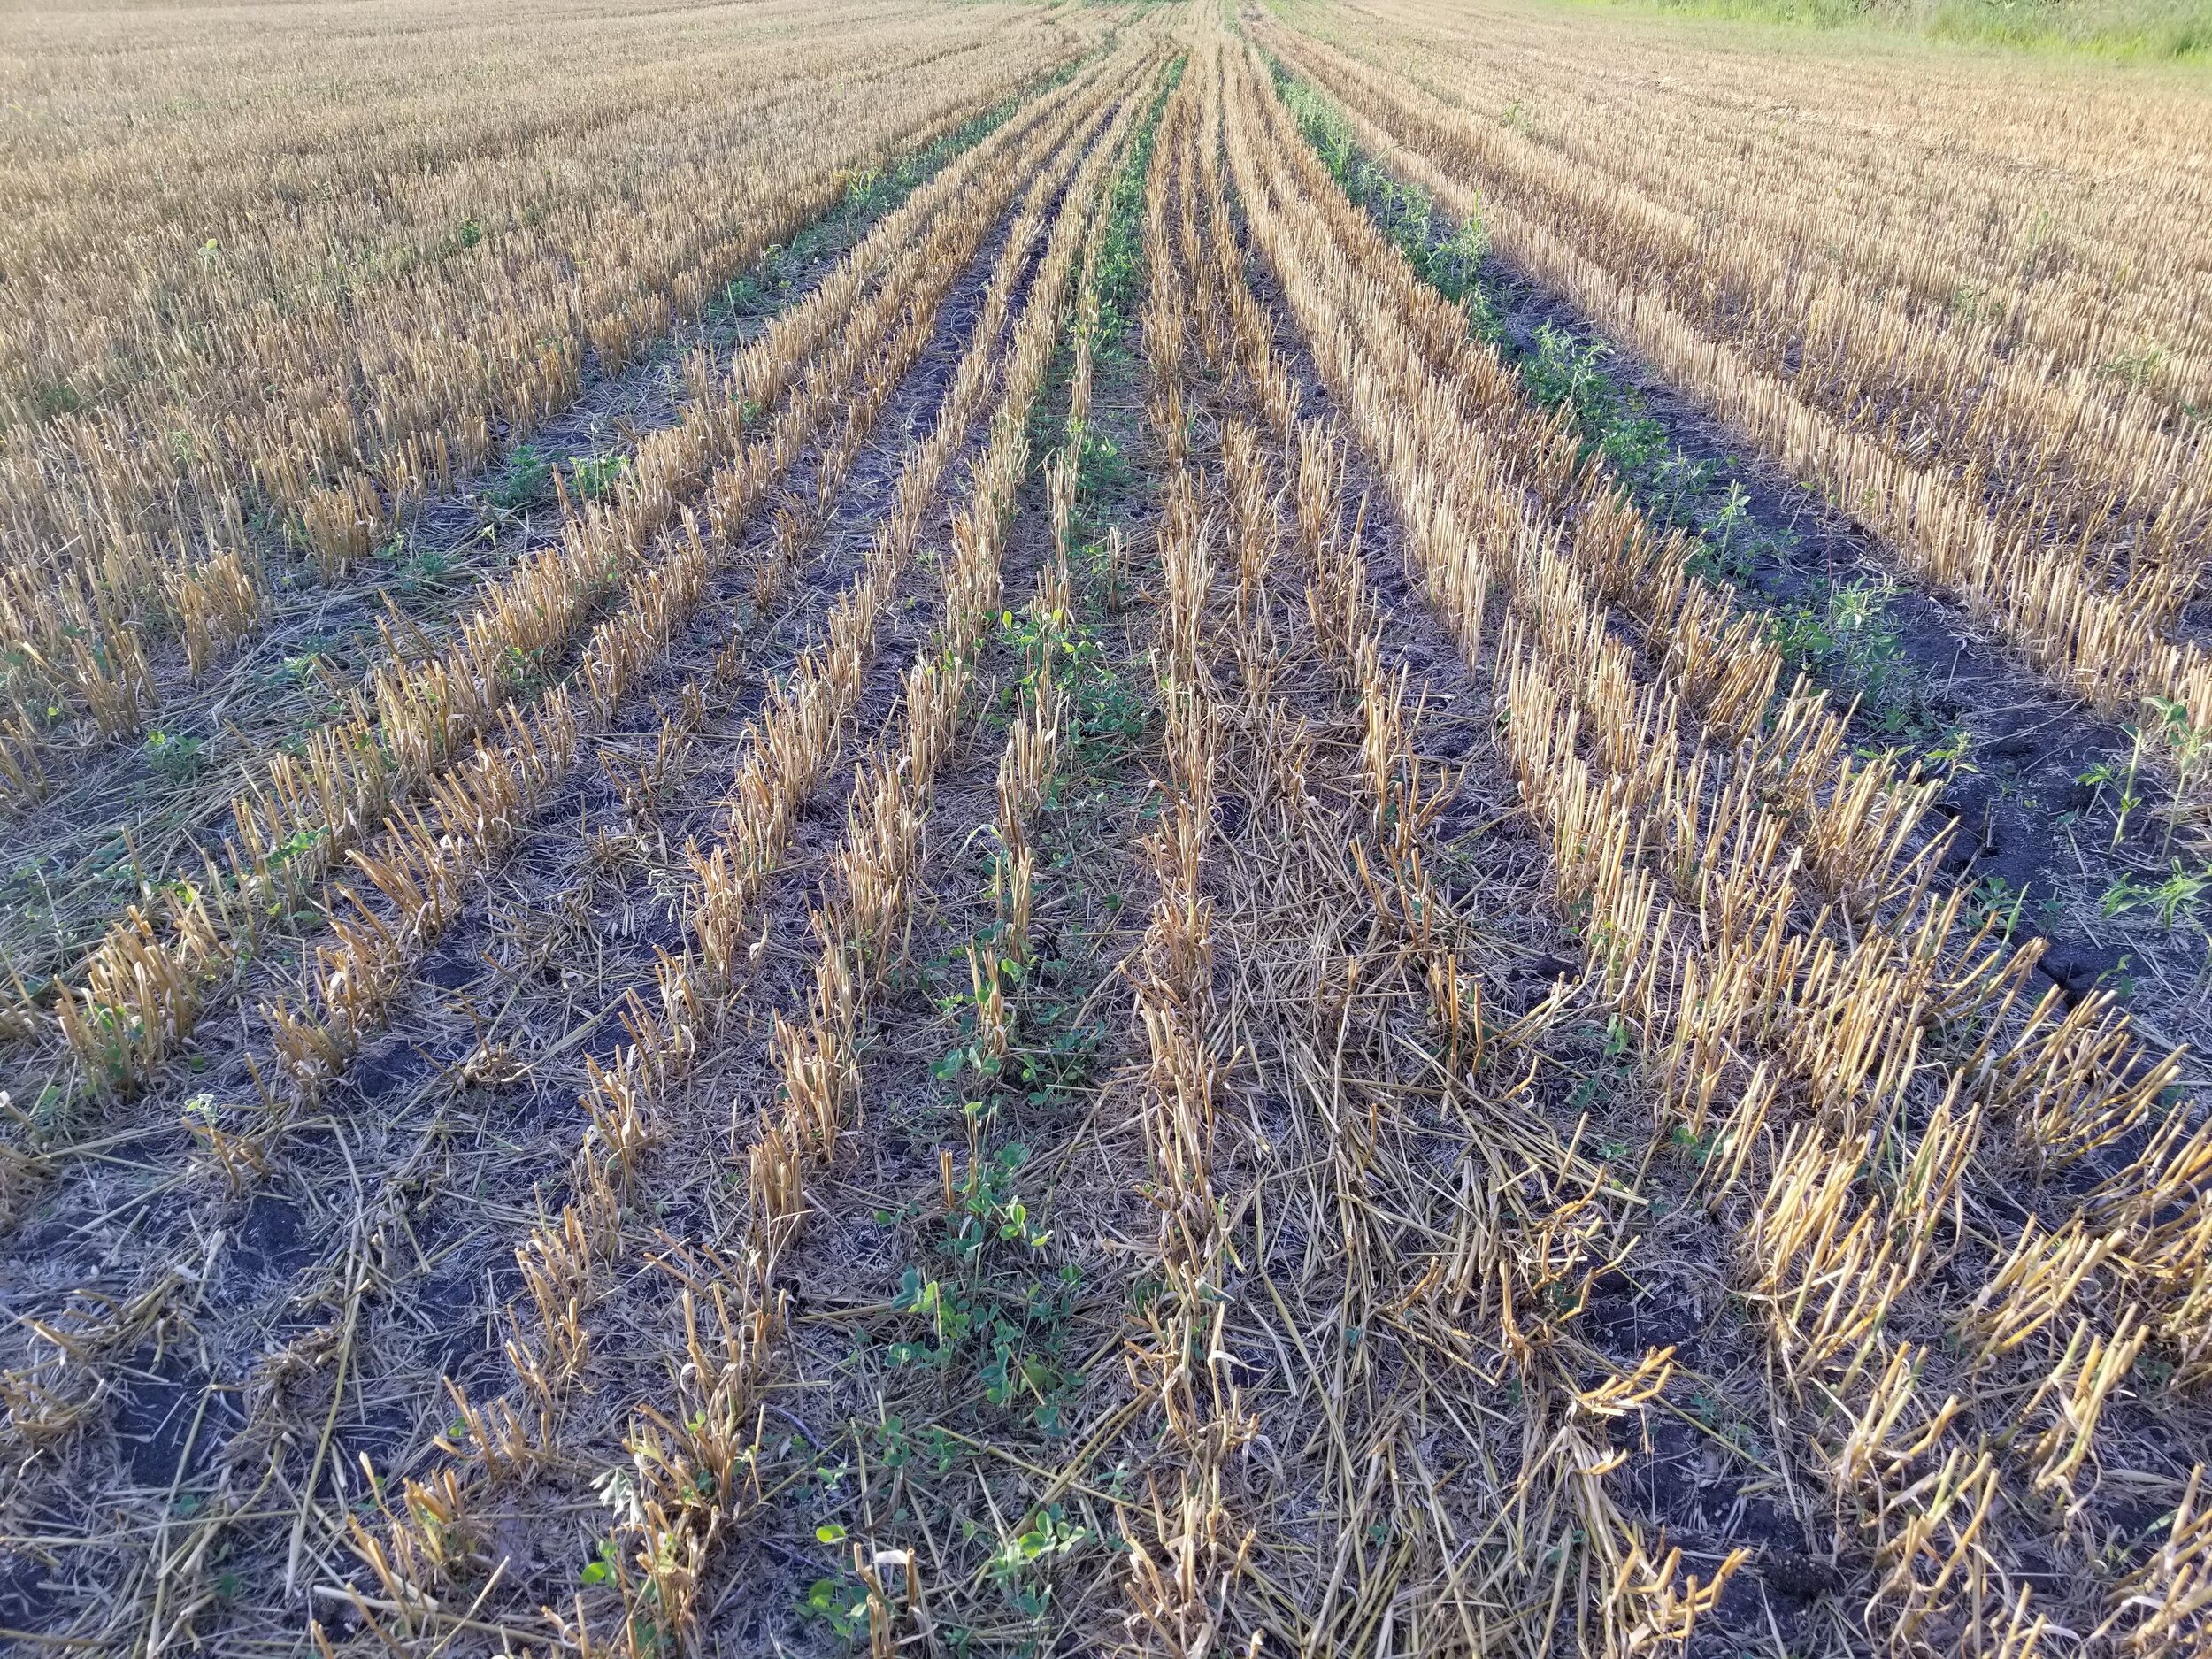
point(314, 810)
point(112, 536)
point(671, 1530)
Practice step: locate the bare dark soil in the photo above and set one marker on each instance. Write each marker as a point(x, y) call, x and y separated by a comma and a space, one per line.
point(2035, 839)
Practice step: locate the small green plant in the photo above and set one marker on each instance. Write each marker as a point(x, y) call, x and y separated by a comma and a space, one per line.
point(595, 476)
point(2120, 781)
point(1063, 1062)
point(527, 482)
point(983, 1039)
point(429, 566)
point(1726, 1424)
point(601, 1568)
point(897, 1447)
point(997, 1304)
point(1732, 516)
point(1023, 1561)
point(841, 1603)
point(1692, 1145)
point(303, 670)
point(744, 294)
point(176, 757)
point(1613, 1064)
point(2135, 365)
point(1102, 471)
point(1670, 486)
point(1634, 446)
point(1850, 639)
point(1618, 1038)
point(2184, 738)
point(1857, 612)
point(51, 399)
point(523, 671)
point(1949, 753)
point(2180, 894)
point(1995, 904)
point(298, 845)
point(1563, 370)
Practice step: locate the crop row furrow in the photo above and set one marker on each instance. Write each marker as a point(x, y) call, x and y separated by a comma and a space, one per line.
point(2089, 597)
point(143, 989)
point(1860, 1009)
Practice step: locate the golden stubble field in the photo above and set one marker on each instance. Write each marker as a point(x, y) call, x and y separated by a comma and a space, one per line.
point(1323, 828)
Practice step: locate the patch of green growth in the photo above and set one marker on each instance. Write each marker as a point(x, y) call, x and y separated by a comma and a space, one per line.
point(1557, 370)
point(1673, 490)
point(1449, 259)
point(1024, 1562)
point(416, 568)
point(51, 399)
point(992, 1298)
point(1102, 470)
point(1847, 639)
point(1564, 371)
point(746, 294)
point(1121, 256)
point(1107, 720)
point(2177, 897)
point(522, 672)
point(594, 477)
point(1062, 1055)
point(1612, 1063)
point(869, 193)
point(1995, 904)
point(897, 1447)
point(175, 757)
point(1726, 1424)
point(525, 482)
point(980, 1047)
point(429, 567)
point(2113, 28)
point(841, 1603)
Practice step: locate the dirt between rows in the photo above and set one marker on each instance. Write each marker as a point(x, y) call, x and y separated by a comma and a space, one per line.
point(1694, 1474)
point(2038, 840)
